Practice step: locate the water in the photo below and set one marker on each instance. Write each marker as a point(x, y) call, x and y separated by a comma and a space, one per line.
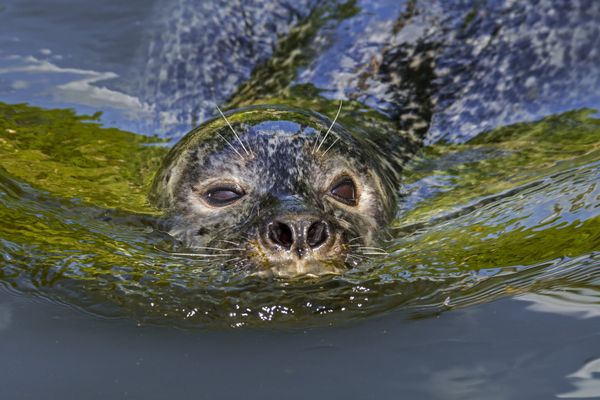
point(499, 350)
point(489, 290)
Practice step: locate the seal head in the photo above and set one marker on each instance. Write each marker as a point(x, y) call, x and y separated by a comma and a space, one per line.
point(288, 191)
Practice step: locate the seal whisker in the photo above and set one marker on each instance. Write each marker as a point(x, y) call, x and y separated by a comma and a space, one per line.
point(316, 142)
point(369, 248)
point(358, 257)
point(330, 127)
point(230, 260)
point(359, 254)
point(331, 145)
point(230, 145)
point(229, 241)
point(372, 251)
point(233, 130)
point(364, 247)
point(215, 248)
point(201, 255)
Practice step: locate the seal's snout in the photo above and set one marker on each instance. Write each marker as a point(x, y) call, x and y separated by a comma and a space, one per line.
point(299, 244)
point(301, 235)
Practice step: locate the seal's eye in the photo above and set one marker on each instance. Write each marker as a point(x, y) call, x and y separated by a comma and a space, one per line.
point(344, 190)
point(222, 196)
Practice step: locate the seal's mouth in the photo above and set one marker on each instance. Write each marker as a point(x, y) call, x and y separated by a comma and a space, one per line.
point(299, 258)
point(299, 268)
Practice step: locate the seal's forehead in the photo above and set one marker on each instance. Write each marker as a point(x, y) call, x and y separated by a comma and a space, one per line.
point(280, 128)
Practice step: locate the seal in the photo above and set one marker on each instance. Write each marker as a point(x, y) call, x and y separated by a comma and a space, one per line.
point(289, 192)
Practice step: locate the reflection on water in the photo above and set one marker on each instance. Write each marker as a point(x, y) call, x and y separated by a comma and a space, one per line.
point(466, 382)
point(577, 302)
point(78, 227)
point(75, 54)
point(586, 381)
point(30, 77)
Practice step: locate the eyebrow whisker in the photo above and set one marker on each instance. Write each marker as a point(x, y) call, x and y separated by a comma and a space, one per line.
point(331, 145)
point(230, 145)
point(233, 130)
point(316, 141)
point(331, 126)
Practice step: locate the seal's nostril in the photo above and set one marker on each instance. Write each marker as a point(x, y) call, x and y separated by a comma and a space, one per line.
point(281, 234)
point(317, 234)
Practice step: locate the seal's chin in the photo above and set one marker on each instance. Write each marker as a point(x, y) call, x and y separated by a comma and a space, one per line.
point(309, 268)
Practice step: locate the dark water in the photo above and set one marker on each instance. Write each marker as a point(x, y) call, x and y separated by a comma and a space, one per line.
point(489, 288)
point(499, 350)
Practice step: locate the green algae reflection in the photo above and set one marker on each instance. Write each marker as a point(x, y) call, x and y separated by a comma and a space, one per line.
point(529, 193)
point(514, 210)
point(75, 157)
